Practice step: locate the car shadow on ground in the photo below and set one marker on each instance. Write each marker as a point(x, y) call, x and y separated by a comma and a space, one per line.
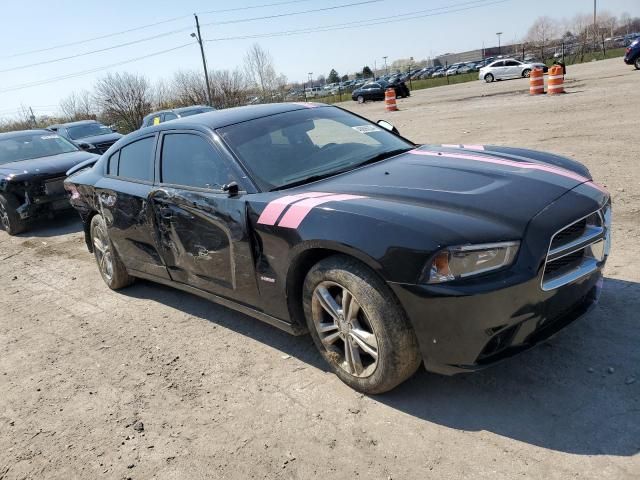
point(578, 392)
point(62, 223)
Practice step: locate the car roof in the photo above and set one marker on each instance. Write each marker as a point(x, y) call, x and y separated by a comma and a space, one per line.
point(228, 116)
point(19, 133)
point(74, 124)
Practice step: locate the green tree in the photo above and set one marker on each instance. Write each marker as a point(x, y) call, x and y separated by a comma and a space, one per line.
point(344, 78)
point(333, 76)
point(366, 72)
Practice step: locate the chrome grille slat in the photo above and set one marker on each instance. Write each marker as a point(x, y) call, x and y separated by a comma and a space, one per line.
point(573, 249)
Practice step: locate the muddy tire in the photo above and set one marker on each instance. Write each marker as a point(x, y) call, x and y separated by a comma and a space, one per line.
point(358, 326)
point(637, 63)
point(526, 73)
point(111, 267)
point(10, 221)
point(360, 99)
point(489, 78)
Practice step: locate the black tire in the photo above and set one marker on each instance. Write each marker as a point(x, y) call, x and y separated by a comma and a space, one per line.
point(526, 73)
point(111, 268)
point(489, 77)
point(360, 99)
point(378, 314)
point(637, 63)
point(10, 221)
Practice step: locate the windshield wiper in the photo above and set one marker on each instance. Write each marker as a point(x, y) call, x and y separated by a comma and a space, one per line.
point(314, 178)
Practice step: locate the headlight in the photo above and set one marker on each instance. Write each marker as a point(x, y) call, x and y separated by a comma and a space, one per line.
point(460, 262)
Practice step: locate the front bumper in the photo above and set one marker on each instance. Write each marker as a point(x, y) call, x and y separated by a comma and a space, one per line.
point(459, 331)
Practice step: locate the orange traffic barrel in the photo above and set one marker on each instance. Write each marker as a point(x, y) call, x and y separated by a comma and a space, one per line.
point(390, 100)
point(556, 80)
point(536, 81)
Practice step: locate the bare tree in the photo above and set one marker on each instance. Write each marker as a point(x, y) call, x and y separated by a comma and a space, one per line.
point(607, 23)
point(260, 70)
point(625, 22)
point(229, 88)
point(163, 95)
point(78, 106)
point(189, 88)
point(540, 34)
point(123, 99)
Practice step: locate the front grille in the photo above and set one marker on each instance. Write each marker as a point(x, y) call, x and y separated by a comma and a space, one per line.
point(578, 249)
point(104, 146)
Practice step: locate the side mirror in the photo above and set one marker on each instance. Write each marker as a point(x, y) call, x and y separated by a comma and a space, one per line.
point(231, 188)
point(387, 126)
point(85, 146)
point(113, 128)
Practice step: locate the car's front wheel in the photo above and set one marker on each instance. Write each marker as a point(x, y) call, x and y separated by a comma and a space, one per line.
point(358, 326)
point(526, 73)
point(111, 267)
point(637, 63)
point(360, 99)
point(10, 221)
point(489, 78)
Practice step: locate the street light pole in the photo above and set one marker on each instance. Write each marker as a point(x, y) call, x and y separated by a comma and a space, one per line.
point(386, 69)
point(499, 48)
point(198, 37)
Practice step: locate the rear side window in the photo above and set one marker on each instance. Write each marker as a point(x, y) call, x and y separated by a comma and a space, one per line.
point(191, 161)
point(136, 160)
point(169, 116)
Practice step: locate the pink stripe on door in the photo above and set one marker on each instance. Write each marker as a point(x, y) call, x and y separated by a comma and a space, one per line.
point(298, 211)
point(274, 209)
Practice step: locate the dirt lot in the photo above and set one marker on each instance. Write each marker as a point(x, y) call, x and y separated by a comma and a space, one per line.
point(224, 396)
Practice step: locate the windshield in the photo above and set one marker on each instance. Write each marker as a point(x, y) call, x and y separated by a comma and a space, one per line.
point(26, 147)
point(295, 147)
point(88, 130)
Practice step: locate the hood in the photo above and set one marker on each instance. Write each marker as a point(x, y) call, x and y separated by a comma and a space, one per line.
point(109, 137)
point(483, 185)
point(45, 167)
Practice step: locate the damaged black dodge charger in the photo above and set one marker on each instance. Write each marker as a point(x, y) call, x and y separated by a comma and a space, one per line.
point(390, 254)
point(33, 165)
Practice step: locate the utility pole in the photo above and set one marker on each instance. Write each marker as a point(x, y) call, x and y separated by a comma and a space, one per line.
point(595, 25)
point(198, 37)
point(33, 118)
point(499, 34)
point(386, 69)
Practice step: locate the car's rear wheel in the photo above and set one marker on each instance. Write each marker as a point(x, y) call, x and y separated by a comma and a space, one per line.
point(489, 78)
point(360, 99)
point(637, 63)
point(111, 267)
point(358, 326)
point(10, 221)
point(526, 73)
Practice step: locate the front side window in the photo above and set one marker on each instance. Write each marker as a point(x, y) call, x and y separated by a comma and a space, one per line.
point(296, 147)
point(29, 146)
point(170, 116)
point(88, 130)
point(190, 160)
point(136, 160)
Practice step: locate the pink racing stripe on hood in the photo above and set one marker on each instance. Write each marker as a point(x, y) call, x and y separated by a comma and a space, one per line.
point(274, 209)
point(500, 161)
point(298, 211)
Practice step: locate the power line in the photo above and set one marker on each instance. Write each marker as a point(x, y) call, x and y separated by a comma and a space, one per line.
point(356, 24)
point(173, 32)
point(93, 70)
point(236, 9)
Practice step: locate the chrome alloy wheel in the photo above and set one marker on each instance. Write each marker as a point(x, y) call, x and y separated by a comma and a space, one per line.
point(344, 329)
point(102, 248)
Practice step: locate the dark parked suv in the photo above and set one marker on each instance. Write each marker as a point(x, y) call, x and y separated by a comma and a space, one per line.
point(165, 115)
point(89, 135)
point(632, 56)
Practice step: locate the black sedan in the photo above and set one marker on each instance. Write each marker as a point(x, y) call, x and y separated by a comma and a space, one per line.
point(311, 218)
point(32, 170)
point(89, 135)
point(375, 91)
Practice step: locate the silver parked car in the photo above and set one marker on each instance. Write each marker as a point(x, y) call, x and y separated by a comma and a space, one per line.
point(505, 68)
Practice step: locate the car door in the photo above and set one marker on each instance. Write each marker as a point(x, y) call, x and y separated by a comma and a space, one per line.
point(498, 69)
point(123, 198)
point(201, 230)
point(513, 68)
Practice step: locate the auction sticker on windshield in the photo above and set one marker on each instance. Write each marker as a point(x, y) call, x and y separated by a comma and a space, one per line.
point(366, 128)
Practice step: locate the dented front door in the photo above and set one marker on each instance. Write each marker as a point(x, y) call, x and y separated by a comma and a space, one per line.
point(204, 241)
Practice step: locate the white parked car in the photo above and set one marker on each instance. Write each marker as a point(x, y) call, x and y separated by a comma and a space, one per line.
point(505, 68)
point(314, 92)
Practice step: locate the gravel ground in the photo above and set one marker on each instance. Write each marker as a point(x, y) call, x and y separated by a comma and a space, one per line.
point(155, 383)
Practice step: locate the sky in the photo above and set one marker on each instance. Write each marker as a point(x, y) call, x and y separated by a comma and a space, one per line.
point(67, 28)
